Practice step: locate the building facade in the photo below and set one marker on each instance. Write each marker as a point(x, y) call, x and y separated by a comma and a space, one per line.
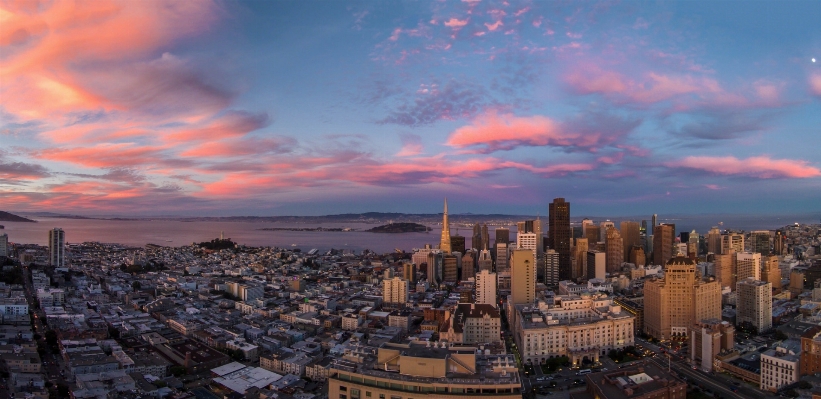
point(674, 303)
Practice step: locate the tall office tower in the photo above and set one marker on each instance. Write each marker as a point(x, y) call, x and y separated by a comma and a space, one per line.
point(663, 237)
point(682, 298)
point(772, 272)
point(559, 234)
point(486, 288)
point(502, 235)
point(435, 267)
point(643, 229)
point(779, 247)
point(476, 239)
point(451, 267)
point(485, 237)
point(529, 241)
point(760, 242)
point(522, 277)
point(603, 227)
point(725, 269)
point(596, 264)
point(714, 241)
point(501, 257)
point(748, 264)
point(684, 237)
point(630, 235)
point(444, 242)
point(4, 245)
point(580, 256)
point(655, 220)
point(485, 261)
point(615, 250)
point(754, 303)
point(469, 263)
point(648, 244)
point(693, 244)
point(637, 256)
point(732, 242)
point(395, 292)
point(457, 243)
point(409, 272)
point(551, 268)
point(57, 247)
point(420, 256)
point(591, 232)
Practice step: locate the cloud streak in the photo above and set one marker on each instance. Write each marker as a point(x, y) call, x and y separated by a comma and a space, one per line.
point(761, 167)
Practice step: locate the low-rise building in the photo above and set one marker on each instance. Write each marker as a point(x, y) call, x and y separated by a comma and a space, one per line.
point(405, 371)
point(586, 326)
point(779, 366)
point(644, 380)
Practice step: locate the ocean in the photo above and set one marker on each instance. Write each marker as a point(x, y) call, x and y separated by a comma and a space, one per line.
point(178, 233)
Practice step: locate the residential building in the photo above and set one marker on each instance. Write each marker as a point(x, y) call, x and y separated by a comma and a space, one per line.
point(473, 324)
point(57, 247)
point(780, 366)
point(708, 338)
point(486, 288)
point(754, 303)
point(579, 259)
point(748, 264)
point(395, 292)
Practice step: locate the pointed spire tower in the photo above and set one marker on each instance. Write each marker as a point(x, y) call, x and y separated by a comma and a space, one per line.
point(444, 242)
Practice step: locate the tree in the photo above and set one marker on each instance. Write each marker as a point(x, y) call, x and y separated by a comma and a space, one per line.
point(177, 371)
point(136, 285)
point(804, 385)
point(779, 335)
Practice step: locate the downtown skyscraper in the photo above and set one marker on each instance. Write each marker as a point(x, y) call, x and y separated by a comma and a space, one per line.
point(559, 234)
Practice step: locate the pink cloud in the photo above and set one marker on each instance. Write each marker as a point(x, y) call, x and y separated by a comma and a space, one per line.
point(762, 167)
point(713, 186)
point(456, 23)
point(815, 84)
point(240, 147)
point(653, 87)
point(104, 155)
point(492, 27)
point(497, 132)
point(232, 124)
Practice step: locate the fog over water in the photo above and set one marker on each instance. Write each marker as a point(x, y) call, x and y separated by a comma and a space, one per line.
point(179, 233)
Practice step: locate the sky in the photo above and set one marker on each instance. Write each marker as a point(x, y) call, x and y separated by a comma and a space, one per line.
point(225, 108)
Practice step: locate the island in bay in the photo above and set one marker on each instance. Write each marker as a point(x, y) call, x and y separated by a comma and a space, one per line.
point(400, 228)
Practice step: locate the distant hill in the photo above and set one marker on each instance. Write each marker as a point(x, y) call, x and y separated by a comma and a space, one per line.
point(400, 228)
point(10, 217)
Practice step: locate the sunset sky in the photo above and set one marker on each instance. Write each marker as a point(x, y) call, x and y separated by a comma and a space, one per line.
point(308, 108)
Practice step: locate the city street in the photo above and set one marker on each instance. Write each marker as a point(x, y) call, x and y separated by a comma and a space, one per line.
point(51, 361)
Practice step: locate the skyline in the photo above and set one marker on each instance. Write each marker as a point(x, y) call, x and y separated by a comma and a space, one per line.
point(228, 109)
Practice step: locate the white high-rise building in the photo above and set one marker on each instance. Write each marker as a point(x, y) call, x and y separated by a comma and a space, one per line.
point(754, 303)
point(57, 247)
point(4, 245)
point(395, 291)
point(486, 288)
point(748, 264)
point(528, 241)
